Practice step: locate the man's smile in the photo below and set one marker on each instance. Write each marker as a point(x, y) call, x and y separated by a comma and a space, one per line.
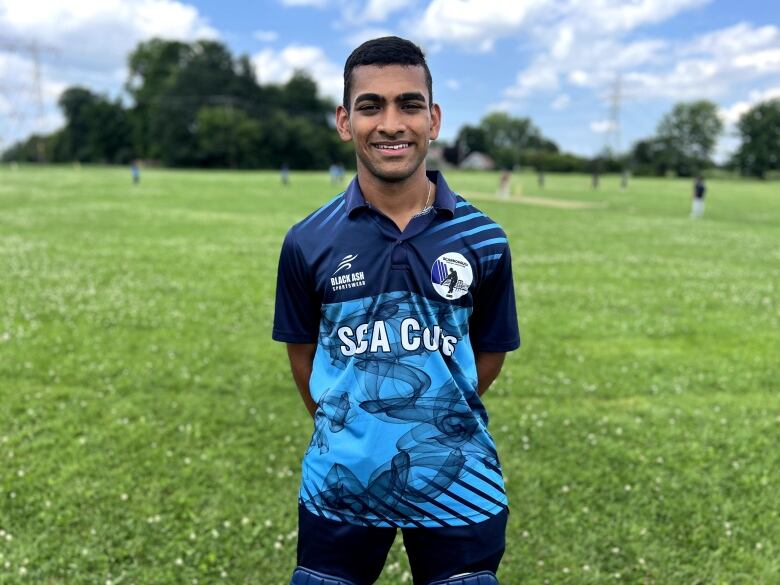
point(392, 148)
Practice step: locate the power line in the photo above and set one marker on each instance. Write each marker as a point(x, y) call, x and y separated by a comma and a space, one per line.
point(612, 137)
point(34, 50)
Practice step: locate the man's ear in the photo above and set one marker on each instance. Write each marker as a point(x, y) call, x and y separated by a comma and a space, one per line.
point(342, 124)
point(435, 121)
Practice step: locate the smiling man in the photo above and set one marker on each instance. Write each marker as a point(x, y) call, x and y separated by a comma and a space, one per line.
point(397, 305)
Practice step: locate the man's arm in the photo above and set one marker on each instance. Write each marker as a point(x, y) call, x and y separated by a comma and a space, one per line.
point(301, 359)
point(488, 367)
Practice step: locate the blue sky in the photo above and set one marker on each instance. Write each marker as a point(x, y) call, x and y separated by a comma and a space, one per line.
point(557, 61)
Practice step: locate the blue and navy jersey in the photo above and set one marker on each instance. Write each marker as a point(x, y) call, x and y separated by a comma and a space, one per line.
point(400, 433)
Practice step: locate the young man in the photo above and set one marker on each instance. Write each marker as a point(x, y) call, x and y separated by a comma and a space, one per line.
point(397, 305)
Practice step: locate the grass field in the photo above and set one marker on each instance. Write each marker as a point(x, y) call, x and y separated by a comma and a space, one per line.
point(150, 432)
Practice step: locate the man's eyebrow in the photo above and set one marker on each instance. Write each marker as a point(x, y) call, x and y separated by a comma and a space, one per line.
point(410, 96)
point(368, 97)
point(404, 97)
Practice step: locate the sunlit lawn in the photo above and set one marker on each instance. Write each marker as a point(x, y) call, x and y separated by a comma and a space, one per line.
point(150, 432)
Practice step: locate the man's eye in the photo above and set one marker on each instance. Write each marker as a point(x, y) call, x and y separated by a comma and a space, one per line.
point(369, 108)
point(412, 107)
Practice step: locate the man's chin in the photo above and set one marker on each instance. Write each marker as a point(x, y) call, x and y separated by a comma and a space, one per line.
point(390, 174)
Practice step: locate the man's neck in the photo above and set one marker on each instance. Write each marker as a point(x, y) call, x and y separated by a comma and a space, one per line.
point(400, 200)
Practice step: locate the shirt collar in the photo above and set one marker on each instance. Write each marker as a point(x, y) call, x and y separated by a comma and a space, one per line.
point(444, 201)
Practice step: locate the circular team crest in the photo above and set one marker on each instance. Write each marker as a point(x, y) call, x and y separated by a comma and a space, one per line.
point(451, 275)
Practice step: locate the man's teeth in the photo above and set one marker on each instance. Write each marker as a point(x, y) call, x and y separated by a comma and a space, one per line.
point(392, 146)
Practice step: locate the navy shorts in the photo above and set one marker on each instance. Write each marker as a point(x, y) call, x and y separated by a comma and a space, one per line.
point(358, 553)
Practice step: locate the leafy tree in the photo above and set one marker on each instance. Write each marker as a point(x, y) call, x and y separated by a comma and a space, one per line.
point(649, 157)
point(688, 135)
point(502, 137)
point(759, 129)
point(227, 137)
point(96, 129)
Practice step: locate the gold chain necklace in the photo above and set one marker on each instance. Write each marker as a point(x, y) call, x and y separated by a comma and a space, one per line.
point(427, 207)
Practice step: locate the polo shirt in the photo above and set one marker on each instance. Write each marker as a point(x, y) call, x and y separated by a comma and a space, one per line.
point(400, 434)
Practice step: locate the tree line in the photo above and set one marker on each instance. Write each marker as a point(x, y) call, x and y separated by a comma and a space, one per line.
point(195, 105)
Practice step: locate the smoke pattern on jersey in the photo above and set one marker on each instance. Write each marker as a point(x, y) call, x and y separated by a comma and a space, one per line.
point(386, 380)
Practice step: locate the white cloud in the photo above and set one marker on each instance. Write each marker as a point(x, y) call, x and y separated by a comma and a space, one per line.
point(602, 126)
point(99, 34)
point(731, 114)
point(617, 16)
point(738, 39)
point(365, 34)
point(272, 66)
point(83, 42)
point(561, 102)
point(584, 45)
point(767, 61)
point(473, 24)
point(452, 84)
point(379, 10)
point(562, 45)
point(714, 65)
point(535, 78)
point(265, 36)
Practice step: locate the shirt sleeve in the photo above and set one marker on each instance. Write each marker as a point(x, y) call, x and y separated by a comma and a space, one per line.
point(493, 323)
point(297, 312)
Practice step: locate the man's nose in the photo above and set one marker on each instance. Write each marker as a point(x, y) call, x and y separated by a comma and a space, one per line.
point(392, 122)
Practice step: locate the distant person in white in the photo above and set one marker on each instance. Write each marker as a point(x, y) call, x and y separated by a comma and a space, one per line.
point(697, 210)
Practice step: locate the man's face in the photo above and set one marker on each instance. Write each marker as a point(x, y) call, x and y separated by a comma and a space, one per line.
point(390, 120)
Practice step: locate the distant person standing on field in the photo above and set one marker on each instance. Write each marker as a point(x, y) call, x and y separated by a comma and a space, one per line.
point(135, 171)
point(699, 189)
point(285, 172)
point(504, 185)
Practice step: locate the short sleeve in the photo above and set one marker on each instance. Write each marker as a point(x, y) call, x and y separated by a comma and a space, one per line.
point(493, 323)
point(297, 312)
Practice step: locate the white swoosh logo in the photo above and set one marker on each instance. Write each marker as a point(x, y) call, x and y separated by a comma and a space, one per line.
point(346, 262)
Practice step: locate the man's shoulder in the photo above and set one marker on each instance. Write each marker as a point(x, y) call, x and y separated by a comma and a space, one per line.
point(466, 211)
point(311, 227)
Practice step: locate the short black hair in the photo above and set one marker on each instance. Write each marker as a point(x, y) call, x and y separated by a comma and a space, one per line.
point(386, 51)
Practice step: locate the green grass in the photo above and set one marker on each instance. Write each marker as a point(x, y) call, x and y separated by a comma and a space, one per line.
point(150, 432)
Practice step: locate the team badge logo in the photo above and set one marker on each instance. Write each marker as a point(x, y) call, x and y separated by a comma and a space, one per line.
point(451, 275)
